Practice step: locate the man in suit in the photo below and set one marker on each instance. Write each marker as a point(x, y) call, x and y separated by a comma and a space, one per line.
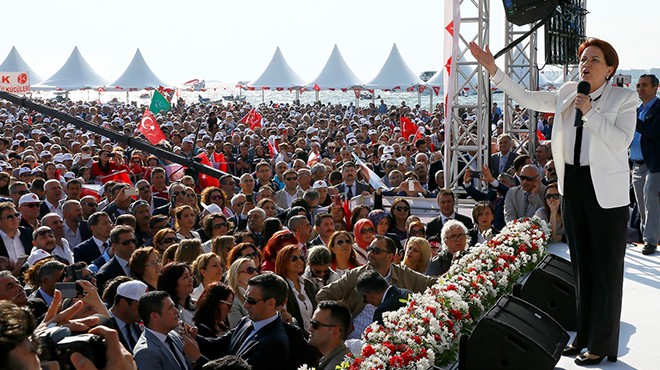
point(125, 314)
point(454, 240)
point(76, 229)
point(122, 241)
point(120, 201)
point(15, 241)
point(446, 200)
point(328, 329)
point(260, 338)
point(523, 200)
point(645, 158)
point(380, 294)
point(351, 187)
point(160, 346)
point(53, 189)
point(28, 206)
point(283, 198)
point(325, 227)
point(146, 194)
point(48, 275)
point(92, 248)
point(380, 255)
point(502, 160)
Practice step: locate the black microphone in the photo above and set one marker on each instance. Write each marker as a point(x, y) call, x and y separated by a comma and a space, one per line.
point(582, 88)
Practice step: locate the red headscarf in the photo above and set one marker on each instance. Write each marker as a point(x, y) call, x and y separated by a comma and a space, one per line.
point(357, 232)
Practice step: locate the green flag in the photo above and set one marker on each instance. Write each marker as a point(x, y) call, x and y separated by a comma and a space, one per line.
point(159, 103)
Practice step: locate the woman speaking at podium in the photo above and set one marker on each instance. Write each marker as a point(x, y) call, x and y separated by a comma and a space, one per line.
point(593, 127)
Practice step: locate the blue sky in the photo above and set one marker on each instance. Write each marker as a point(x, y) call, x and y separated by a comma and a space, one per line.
point(234, 40)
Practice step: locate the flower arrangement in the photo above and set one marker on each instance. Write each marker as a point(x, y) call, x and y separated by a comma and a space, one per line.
point(426, 332)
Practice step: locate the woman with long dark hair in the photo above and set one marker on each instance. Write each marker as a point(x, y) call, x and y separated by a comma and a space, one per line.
point(176, 279)
point(211, 316)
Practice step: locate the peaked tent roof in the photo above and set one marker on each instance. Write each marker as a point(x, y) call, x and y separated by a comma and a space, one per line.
point(75, 74)
point(15, 63)
point(278, 74)
point(138, 75)
point(335, 74)
point(395, 73)
point(437, 80)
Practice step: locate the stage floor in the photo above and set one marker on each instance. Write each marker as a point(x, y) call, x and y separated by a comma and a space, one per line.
point(640, 322)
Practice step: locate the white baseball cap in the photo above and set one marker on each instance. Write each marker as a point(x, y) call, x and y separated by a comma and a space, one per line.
point(133, 289)
point(28, 198)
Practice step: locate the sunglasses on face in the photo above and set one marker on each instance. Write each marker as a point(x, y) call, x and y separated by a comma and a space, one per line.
point(316, 325)
point(376, 250)
point(128, 242)
point(169, 240)
point(90, 204)
point(367, 230)
point(295, 258)
point(11, 217)
point(342, 242)
point(143, 188)
point(252, 301)
point(402, 208)
point(31, 205)
point(22, 192)
point(417, 232)
point(250, 270)
point(219, 225)
point(291, 179)
point(216, 197)
point(552, 196)
point(527, 178)
point(45, 232)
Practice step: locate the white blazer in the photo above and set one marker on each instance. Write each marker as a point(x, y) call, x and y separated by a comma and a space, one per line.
point(612, 126)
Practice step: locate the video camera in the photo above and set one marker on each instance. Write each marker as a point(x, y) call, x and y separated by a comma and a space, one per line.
point(57, 345)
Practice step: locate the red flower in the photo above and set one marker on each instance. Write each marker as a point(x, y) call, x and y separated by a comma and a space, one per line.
point(431, 309)
point(368, 350)
point(456, 314)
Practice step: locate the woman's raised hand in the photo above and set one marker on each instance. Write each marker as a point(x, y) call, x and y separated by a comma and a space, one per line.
point(484, 57)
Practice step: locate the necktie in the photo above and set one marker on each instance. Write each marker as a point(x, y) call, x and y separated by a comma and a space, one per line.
point(175, 353)
point(104, 246)
point(129, 336)
point(526, 203)
point(349, 194)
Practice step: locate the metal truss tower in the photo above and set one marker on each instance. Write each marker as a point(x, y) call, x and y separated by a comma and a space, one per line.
point(467, 140)
point(520, 64)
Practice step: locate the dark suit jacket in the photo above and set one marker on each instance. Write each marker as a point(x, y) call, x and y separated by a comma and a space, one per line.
point(433, 169)
point(26, 238)
point(392, 302)
point(435, 226)
point(107, 272)
point(26, 225)
point(292, 303)
point(494, 163)
point(158, 202)
point(360, 186)
point(440, 263)
point(267, 349)
point(37, 304)
point(649, 128)
point(43, 210)
point(122, 338)
point(86, 251)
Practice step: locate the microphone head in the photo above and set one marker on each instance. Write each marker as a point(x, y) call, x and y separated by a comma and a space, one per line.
point(583, 87)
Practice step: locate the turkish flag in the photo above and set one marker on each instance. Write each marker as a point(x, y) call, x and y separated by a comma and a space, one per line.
point(317, 87)
point(407, 127)
point(219, 158)
point(253, 119)
point(119, 176)
point(205, 180)
point(150, 128)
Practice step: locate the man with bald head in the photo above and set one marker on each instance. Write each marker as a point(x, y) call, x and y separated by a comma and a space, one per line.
point(523, 200)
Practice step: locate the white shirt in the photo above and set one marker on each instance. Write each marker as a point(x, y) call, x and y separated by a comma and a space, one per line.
point(13, 245)
point(53, 208)
point(569, 144)
point(305, 304)
point(99, 244)
point(64, 251)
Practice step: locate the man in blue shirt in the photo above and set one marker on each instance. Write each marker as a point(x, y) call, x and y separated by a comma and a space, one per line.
point(645, 158)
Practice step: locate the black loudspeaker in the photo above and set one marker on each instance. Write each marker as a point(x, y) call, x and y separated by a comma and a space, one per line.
point(513, 335)
point(551, 287)
point(522, 12)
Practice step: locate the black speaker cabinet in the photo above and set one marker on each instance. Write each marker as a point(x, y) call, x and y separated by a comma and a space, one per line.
point(513, 335)
point(551, 287)
point(521, 12)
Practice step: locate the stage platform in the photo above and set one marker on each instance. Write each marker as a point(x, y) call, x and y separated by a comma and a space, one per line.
point(640, 321)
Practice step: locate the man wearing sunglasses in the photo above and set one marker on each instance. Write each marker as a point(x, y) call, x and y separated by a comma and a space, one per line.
point(380, 255)
point(260, 338)
point(523, 200)
point(328, 329)
point(123, 242)
point(15, 241)
point(28, 206)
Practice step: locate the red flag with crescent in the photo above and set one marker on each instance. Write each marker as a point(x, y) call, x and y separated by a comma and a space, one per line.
point(150, 128)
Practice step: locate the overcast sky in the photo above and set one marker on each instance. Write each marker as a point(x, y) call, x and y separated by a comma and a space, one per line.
point(234, 40)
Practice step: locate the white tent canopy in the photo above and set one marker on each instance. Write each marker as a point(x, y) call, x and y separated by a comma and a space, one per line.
point(75, 74)
point(278, 74)
point(137, 75)
point(15, 63)
point(335, 74)
point(437, 81)
point(394, 74)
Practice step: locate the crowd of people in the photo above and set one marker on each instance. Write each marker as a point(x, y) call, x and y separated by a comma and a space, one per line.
point(269, 269)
